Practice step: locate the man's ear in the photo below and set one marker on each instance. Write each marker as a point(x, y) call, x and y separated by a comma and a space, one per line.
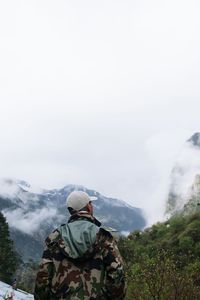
point(89, 208)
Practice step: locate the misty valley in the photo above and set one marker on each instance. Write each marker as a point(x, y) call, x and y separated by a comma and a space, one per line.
point(161, 261)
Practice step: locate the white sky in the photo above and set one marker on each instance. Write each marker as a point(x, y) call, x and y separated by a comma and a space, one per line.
point(98, 93)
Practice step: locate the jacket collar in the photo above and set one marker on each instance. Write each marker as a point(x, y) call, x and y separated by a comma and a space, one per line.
point(83, 215)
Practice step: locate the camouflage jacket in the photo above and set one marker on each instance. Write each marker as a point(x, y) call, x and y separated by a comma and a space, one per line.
point(81, 261)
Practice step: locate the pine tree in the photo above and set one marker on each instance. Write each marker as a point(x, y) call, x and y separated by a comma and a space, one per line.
point(8, 256)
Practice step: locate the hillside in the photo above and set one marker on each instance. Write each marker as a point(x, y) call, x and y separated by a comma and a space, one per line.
point(163, 261)
point(9, 259)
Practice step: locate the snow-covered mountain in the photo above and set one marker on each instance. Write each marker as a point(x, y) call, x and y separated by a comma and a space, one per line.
point(32, 213)
point(184, 192)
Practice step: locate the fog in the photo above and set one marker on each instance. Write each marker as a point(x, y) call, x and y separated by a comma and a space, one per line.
point(29, 222)
point(102, 94)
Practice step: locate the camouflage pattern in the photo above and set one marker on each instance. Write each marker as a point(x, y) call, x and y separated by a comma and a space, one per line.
point(76, 272)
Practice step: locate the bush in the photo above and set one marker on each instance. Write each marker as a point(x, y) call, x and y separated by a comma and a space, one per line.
point(163, 262)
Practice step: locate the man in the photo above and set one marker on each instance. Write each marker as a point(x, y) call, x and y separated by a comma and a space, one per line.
point(81, 259)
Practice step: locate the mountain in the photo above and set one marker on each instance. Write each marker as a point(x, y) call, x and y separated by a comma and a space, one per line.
point(195, 139)
point(184, 191)
point(32, 213)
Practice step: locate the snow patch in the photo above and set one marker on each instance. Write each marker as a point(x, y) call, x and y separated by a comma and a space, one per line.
point(31, 189)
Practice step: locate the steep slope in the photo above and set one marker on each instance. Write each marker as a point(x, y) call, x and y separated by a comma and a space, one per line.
point(34, 213)
point(184, 192)
point(163, 261)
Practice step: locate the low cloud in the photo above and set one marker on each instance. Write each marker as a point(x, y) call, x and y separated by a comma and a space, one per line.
point(8, 189)
point(184, 172)
point(29, 222)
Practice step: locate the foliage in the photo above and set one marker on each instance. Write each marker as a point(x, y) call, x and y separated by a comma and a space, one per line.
point(26, 275)
point(162, 262)
point(9, 259)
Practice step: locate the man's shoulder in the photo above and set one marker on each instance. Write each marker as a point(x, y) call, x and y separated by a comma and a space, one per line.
point(109, 232)
point(53, 237)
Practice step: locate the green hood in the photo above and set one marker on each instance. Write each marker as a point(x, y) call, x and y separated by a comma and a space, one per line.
point(78, 238)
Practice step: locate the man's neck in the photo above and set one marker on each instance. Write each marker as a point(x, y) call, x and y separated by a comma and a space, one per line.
point(86, 215)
